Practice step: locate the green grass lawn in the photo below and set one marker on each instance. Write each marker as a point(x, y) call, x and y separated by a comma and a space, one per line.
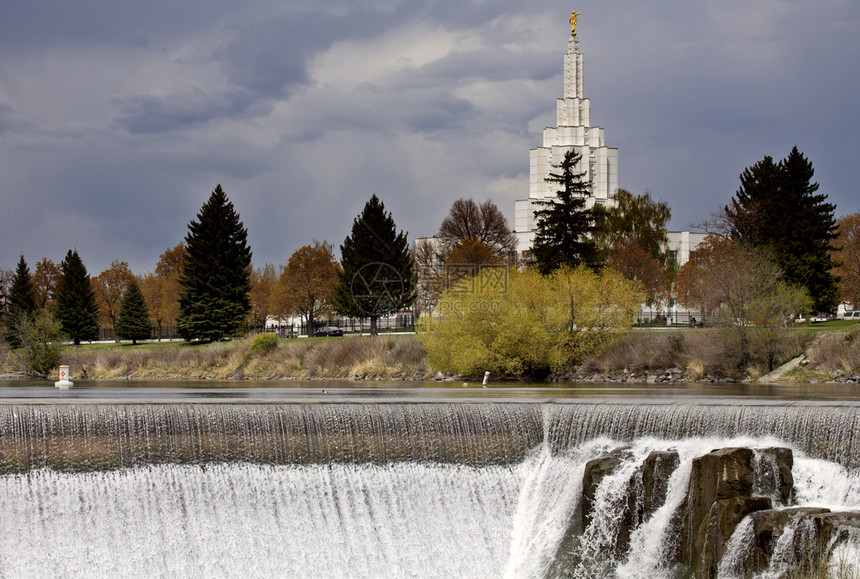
point(831, 326)
point(102, 346)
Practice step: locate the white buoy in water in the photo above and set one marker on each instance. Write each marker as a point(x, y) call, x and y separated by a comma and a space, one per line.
point(64, 383)
point(486, 377)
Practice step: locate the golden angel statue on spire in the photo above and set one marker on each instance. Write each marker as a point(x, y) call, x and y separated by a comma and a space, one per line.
point(573, 21)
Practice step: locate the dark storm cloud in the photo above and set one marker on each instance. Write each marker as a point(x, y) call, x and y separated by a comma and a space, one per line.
point(43, 24)
point(150, 114)
point(117, 119)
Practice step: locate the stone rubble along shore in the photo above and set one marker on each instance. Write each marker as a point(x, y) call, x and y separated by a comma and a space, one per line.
point(638, 377)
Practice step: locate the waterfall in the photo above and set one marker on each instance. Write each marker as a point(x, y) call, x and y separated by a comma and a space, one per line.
point(377, 490)
point(83, 436)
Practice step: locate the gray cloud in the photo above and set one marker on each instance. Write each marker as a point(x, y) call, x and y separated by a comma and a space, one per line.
point(176, 112)
point(116, 121)
point(10, 120)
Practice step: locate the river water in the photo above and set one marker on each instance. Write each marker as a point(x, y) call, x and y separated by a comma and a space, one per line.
point(346, 479)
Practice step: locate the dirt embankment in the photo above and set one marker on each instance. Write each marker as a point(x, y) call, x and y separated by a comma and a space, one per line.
point(638, 357)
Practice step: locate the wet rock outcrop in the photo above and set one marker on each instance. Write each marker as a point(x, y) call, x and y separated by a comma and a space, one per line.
point(644, 492)
point(656, 470)
point(726, 485)
point(735, 519)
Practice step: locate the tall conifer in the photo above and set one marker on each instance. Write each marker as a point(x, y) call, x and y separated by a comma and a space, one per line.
point(132, 322)
point(376, 279)
point(22, 295)
point(76, 307)
point(564, 226)
point(215, 275)
point(20, 301)
point(777, 206)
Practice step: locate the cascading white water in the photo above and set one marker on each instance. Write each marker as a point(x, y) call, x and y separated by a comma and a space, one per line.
point(259, 521)
point(366, 490)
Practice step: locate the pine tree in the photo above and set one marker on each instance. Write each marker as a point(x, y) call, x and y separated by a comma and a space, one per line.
point(76, 307)
point(215, 276)
point(21, 302)
point(376, 279)
point(564, 226)
point(22, 295)
point(133, 322)
point(804, 255)
point(777, 207)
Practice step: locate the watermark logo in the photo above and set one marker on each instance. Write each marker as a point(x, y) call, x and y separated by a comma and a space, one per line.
point(467, 278)
point(377, 289)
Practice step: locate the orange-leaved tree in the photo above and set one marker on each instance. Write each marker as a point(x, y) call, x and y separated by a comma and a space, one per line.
point(264, 281)
point(161, 289)
point(307, 284)
point(109, 287)
point(847, 256)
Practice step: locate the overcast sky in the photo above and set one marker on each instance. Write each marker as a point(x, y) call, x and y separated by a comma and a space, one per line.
point(118, 119)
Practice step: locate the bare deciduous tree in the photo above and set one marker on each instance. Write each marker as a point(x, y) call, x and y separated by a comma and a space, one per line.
point(467, 220)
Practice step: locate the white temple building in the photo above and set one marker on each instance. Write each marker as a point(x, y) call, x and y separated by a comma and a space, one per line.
point(573, 131)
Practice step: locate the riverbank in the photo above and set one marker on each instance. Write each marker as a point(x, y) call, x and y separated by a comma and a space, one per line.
point(695, 355)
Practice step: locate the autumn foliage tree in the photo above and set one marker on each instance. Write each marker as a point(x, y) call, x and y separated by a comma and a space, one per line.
point(161, 288)
point(307, 284)
point(264, 281)
point(742, 291)
point(847, 257)
point(634, 263)
point(110, 286)
point(46, 274)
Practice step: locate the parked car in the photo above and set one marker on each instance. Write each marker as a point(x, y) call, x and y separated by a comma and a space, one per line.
point(820, 318)
point(855, 315)
point(328, 331)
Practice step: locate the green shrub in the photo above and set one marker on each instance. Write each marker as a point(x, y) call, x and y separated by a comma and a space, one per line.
point(261, 346)
point(525, 323)
point(40, 342)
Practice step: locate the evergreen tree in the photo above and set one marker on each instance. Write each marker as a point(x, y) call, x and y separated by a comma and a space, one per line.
point(22, 295)
point(215, 275)
point(76, 307)
point(132, 322)
point(777, 207)
point(376, 278)
point(21, 302)
point(564, 225)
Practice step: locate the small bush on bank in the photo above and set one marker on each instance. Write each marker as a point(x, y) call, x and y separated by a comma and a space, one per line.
point(261, 345)
point(39, 343)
